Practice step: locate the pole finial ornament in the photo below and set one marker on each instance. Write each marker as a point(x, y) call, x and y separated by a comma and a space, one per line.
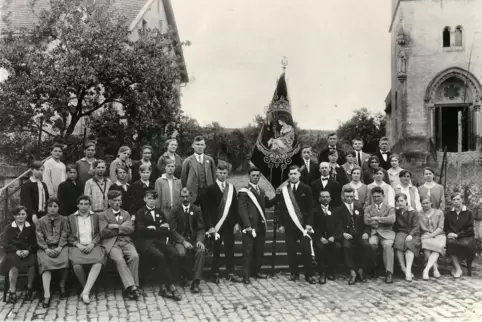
point(284, 62)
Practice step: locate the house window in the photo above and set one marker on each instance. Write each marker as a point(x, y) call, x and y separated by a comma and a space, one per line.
point(458, 36)
point(446, 37)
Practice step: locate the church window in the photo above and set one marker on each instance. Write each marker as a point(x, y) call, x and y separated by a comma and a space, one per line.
point(446, 37)
point(458, 36)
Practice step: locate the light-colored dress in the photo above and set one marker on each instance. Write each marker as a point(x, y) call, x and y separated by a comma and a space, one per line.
point(54, 174)
point(393, 176)
point(433, 223)
point(436, 194)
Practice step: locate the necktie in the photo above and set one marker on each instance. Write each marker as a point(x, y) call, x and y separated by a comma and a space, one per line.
point(223, 186)
point(307, 166)
point(351, 209)
point(257, 190)
point(358, 153)
point(293, 187)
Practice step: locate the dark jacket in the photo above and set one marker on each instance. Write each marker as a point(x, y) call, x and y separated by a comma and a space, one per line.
point(14, 239)
point(188, 227)
point(211, 203)
point(29, 198)
point(383, 164)
point(462, 225)
point(155, 173)
point(326, 225)
point(332, 187)
point(323, 156)
point(135, 195)
point(304, 199)
point(312, 175)
point(68, 192)
point(249, 214)
point(124, 193)
point(339, 175)
point(353, 225)
point(73, 237)
point(145, 237)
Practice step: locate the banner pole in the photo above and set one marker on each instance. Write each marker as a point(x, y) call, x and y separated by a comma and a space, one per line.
point(273, 245)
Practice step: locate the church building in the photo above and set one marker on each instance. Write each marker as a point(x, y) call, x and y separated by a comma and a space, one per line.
point(436, 75)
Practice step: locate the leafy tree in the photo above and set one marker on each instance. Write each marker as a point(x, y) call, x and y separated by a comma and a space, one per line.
point(78, 61)
point(365, 125)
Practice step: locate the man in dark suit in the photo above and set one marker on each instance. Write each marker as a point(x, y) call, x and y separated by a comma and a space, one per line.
point(252, 203)
point(383, 153)
point(296, 217)
point(326, 184)
point(327, 232)
point(309, 168)
point(34, 193)
point(332, 145)
point(361, 158)
point(152, 237)
point(187, 227)
point(220, 209)
point(337, 172)
point(354, 236)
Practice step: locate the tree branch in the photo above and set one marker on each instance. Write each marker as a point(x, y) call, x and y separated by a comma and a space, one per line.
point(37, 126)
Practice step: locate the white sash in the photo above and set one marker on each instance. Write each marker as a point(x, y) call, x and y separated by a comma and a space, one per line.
point(256, 203)
point(229, 200)
point(294, 217)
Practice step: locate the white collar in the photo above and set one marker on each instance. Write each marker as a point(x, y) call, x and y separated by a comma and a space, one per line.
point(116, 212)
point(307, 160)
point(147, 183)
point(295, 184)
point(336, 165)
point(349, 205)
point(386, 152)
point(121, 184)
point(186, 207)
point(399, 186)
point(164, 176)
point(325, 207)
point(255, 186)
point(378, 206)
point(356, 185)
point(197, 156)
point(326, 178)
point(35, 180)
point(220, 183)
point(77, 213)
point(150, 209)
point(464, 208)
point(14, 224)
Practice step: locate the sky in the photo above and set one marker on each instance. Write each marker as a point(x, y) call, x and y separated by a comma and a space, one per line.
point(338, 55)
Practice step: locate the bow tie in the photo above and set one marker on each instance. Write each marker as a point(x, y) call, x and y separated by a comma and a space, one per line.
point(324, 178)
point(384, 152)
point(116, 213)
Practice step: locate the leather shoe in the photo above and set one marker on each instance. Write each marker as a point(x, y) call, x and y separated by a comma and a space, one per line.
point(362, 277)
point(322, 279)
point(216, 278)
point(234, 278)
point(352, 280)
point(375, 273)
point(195, 287)
point(246, 280)
point(176, 295)
point(261, 276)
point(310, 279)
point(389, 278)
point(331, 276)
point(294, 277)
point(163, 291)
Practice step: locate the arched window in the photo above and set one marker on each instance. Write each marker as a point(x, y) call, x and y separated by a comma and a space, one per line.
point(458, 36)
point(446, 37)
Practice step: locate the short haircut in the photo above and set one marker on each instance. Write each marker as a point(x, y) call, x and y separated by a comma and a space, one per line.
point(348, 189)
point(145, 167)
point(356, 168)
point(198, 138)
point(429, 169)
point(169, 142)
point(384, 139)
point(169, 161)
point(57, 145)
point(185, 189)
point(151, 193)
point(69, 167)
point(352, 153)
point(305, 147)
point(83, 197)
point(331, 135)
point(373, 157)
point(455, 194)
point(400, 194)
point(112, 194)
point(324, 163)
point(36, 165)
point(18, 209)
point(147, 147)
point(393, 156)
point(121, 167)
point(294, 167)
point(253, 170)
point(403, 173)
point(378, 189)
point(380, 170)
point(222, 166)
point(326, 192)
point(52, 201)
point(356, 139)
point(88, 145)
point(97, 162)
point(333, 152)
point(123, 149)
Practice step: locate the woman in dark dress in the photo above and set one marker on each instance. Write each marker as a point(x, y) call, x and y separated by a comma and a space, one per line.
point(53, 254)
point(19, 245)
point(459, 227)
point(146, 158)
point(407, 238)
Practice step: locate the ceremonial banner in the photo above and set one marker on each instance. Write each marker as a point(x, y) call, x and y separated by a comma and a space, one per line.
point(277, 145)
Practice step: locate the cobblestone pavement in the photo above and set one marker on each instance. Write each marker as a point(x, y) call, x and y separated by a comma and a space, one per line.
point(275, 299)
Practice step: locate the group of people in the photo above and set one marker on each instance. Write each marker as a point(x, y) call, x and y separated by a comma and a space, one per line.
point(76, 217)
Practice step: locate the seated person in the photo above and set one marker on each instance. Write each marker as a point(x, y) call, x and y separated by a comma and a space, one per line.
point(85, 248)
point(459, 227)
point(380, 216)
point(116, 229)
point(407, 238)
point(432, 235)
point(53, 253)
point(389, 193)
point(152, 236)
point(188, 231)
point(19, 244)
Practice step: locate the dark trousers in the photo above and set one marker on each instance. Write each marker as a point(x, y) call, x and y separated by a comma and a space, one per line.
point(327, 256)
point(166, 259)
point(253, 250)
point(227, 237)
point(357, 253)
point(191, 261)
point(292, 247)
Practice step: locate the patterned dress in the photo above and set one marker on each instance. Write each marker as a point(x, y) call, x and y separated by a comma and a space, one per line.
point(432, 225)
point(52, 233)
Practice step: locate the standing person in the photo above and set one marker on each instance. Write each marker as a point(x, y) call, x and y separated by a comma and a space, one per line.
point(20, 245)
point(168, 189)
point(389, 193)
point(170, 154)
point(394, 171)
point(327, 237)
point(122, 185)
point(123, 159)
point(116, 229)
point(383, 154)
point(53, 254)
point(220, 204)
point(137, 190)
point(405, 186)
point(69, 191)
point(432, 190)
point(296, 217)
point(34, 193)
point(188, 231)
point(98, 187)
point(146, 157)
point(309, 170)
point(350, 163)
point(373, 166)
point(54, 172)
point(153, 234)
point(325, 183)
point(459, 227)
point(407, 238)
point(354, 235)
point(337, 173)
point(85, 167)
point(332, 145)
point(198, 171)
point(85, 248)
point(433, 236)
point(360, 189)
point(380, 217)
point(361, 158)
point(252, 202)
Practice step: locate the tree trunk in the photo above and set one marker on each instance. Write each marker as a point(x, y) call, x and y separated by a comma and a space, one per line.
point(70, 129)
